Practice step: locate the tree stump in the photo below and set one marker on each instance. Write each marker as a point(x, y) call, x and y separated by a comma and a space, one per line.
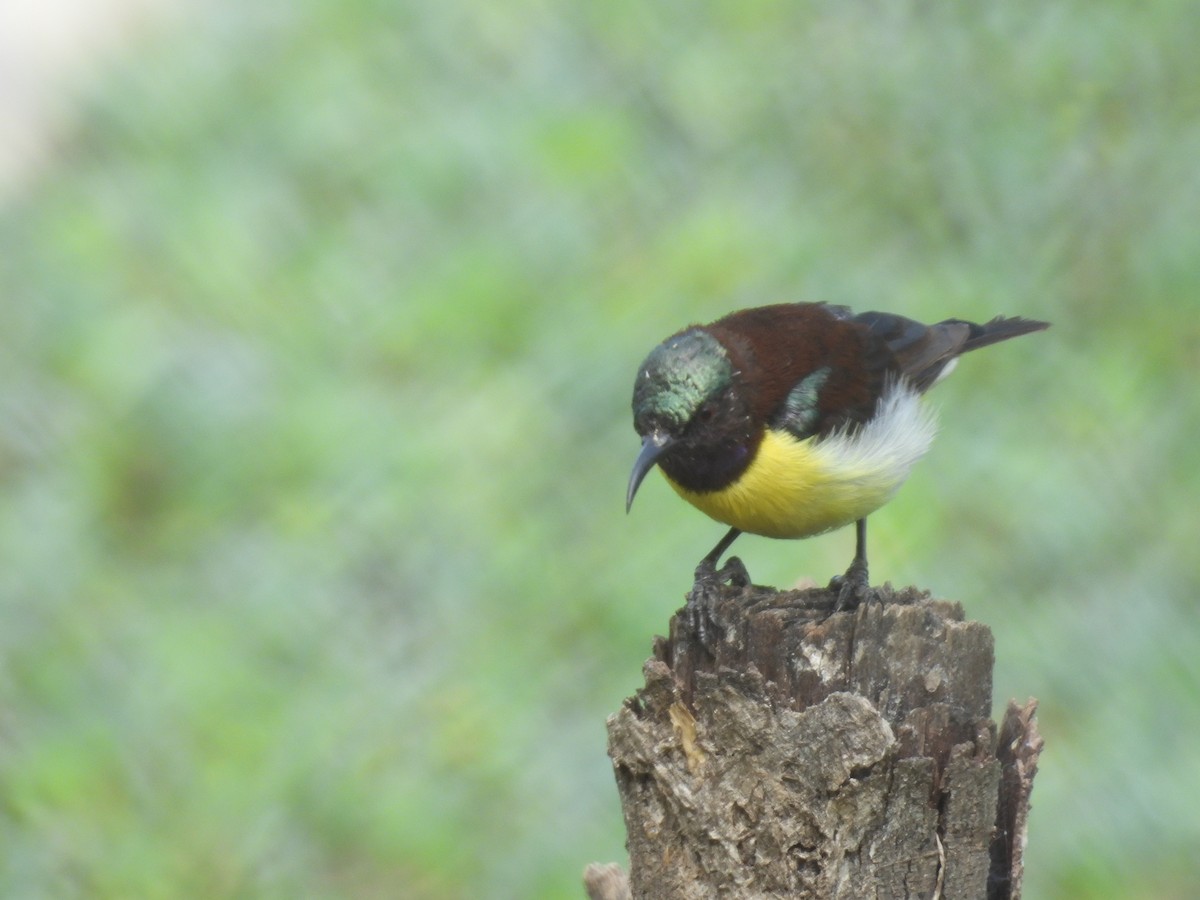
point(780, 750)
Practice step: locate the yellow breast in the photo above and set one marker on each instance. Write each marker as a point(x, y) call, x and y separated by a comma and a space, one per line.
point(798, 488)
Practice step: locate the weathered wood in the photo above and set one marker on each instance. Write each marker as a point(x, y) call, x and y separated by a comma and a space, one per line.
point(1018, 750)
point(778, 750)
point(606, 882)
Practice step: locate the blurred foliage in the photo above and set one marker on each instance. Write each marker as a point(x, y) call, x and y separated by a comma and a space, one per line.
point(318, 336)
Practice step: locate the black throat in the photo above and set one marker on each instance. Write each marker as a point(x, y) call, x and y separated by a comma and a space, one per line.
point(710, 467)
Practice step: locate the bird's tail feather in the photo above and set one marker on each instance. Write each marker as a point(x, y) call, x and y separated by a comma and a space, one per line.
point(998, 329)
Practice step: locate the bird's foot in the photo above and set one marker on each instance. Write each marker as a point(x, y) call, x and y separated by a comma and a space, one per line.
point(709, 576)
point(853, 588)
point(703, 598)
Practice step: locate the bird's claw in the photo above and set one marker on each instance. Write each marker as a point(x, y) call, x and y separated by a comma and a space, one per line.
point(853, 588)
point(733, 573)
point(705, 592)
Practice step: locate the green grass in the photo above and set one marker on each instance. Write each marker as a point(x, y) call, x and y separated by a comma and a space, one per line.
point(318, 335)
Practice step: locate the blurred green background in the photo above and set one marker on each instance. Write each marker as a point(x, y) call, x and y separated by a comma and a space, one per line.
point(318, 325)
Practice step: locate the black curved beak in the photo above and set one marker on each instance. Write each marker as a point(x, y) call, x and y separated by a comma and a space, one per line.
point(653, 446)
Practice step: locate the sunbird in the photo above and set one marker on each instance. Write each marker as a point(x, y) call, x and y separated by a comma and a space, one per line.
point(792, 420)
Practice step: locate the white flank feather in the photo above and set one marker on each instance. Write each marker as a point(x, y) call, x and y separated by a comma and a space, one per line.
point(879, 456)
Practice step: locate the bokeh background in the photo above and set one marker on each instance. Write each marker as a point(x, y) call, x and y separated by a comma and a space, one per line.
point(318, 324)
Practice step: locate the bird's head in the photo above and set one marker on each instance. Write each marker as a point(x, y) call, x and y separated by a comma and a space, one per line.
point(689, 410)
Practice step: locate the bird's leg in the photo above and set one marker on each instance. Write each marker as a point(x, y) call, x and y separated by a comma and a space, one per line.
point(733, 571)
point(855, 586)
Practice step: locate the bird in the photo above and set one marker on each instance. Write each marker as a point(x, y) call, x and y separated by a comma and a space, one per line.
point(796, 419)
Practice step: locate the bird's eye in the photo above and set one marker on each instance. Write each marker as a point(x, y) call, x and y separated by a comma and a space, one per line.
point(705, 413)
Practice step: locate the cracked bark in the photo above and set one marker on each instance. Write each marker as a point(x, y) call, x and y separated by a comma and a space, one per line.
point(777, 750)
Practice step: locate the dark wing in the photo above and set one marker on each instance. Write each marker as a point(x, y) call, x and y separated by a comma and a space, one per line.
point(922, 352)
